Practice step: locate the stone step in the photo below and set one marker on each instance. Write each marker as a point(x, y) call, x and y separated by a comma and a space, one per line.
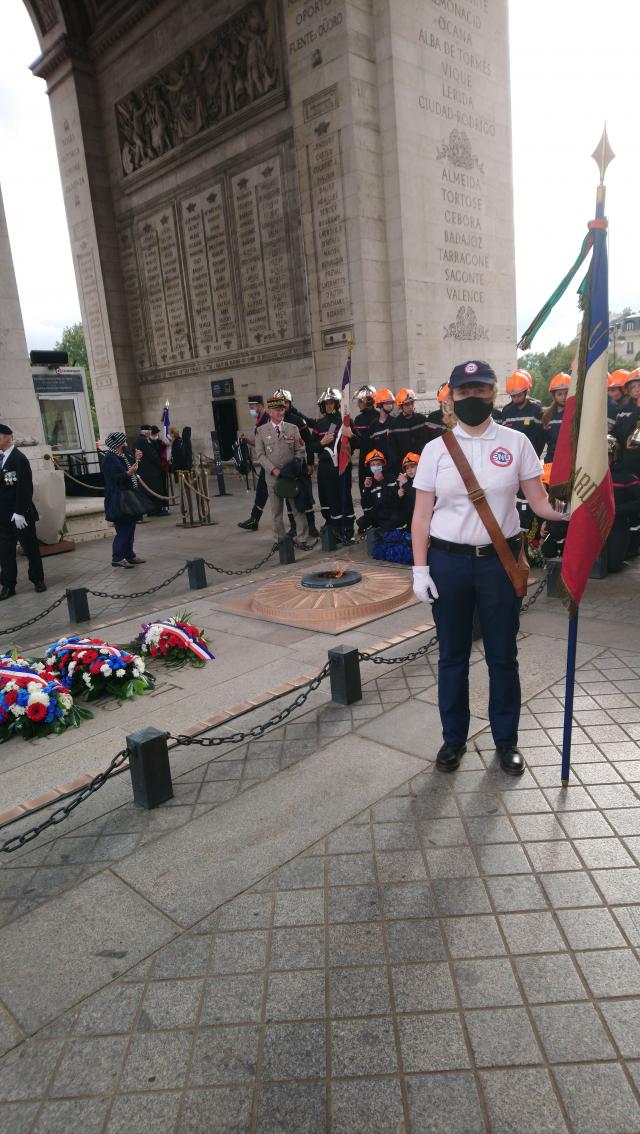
point(85, 519)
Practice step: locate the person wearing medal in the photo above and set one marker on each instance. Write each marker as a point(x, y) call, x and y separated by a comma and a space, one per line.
point(458, 565)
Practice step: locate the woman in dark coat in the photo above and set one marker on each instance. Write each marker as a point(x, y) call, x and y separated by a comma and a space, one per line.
point(119, 472)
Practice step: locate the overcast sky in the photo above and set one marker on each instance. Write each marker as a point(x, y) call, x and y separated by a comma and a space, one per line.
point(571, 68)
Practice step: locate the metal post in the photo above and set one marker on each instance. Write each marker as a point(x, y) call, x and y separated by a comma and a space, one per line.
point(600, 569)
point(554, 567)
point(197, 574)
point(344, 674)
point(371, 541)
point(572, 644)
point(285, 550)
point(328, 538)
point(217, 460)
point(78, 604)
point(149, 767)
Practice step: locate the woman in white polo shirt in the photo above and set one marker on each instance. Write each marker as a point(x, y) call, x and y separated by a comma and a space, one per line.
point(464, 571)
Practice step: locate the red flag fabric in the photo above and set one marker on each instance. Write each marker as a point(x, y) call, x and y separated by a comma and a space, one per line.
point(344, 455)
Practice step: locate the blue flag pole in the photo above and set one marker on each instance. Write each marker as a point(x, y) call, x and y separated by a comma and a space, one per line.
point(602, 156)
point(572, 644)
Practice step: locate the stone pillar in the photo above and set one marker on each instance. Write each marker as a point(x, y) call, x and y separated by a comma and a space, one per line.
point(446, 138)
point(331, 55)
point(20, 410)
point(79, 138)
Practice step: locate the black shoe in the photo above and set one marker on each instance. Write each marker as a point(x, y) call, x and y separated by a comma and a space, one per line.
point(135, 560)
point(249, 525)
point(449, 757)
point(40, 586)
point(302, 546)
point(7, 592)
point(511, 760)
point(313, 531)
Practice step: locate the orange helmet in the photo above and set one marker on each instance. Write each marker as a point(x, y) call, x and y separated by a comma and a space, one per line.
point(634, 375)
point(375, 454)
point(618, 378)
point(444, 393)
point(518, 382)
point(560, 381)
point(411, 459)
point(546, 473)
point(405, 395)
point(383, 395)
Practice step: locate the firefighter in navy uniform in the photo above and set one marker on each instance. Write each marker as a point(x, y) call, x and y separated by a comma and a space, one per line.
point(379, 431)
point(627, 434)
point(409, 431)
point(18, 515)
point(258, 412)
point(624, 537)
point(553, 414)
point(524, 414)
point(437, 420)
point(361, 428)
point(385, 509)
point(304, 425)
point(334, 490)
point(617, 399)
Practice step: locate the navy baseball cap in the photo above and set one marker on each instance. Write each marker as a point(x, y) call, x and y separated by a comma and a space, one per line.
point(474, 371)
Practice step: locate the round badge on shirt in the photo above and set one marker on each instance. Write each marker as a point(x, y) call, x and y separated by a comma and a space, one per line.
point(501, 457)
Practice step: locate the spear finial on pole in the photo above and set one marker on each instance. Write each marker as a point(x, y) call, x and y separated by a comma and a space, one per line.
point(603, 154)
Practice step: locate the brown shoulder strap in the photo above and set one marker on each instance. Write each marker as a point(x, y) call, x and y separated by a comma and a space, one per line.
point(478, 499)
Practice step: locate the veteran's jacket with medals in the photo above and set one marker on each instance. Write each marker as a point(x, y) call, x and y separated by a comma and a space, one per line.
point(16, 489)
point(273, 451)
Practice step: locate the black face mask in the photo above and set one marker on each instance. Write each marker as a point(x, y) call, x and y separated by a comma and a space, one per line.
point(472, 411)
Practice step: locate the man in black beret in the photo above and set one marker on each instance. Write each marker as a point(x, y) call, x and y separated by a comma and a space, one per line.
point(18, 515)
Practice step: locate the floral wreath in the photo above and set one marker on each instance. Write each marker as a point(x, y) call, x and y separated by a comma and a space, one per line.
point(90, 667)
point(175, 640)
point(33, 700)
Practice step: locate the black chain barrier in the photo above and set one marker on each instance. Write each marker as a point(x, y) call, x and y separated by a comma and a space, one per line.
point(62, 813)
point(243, 570)
point(259, 729)
point(531, 599)
point(36, 617)
point(378, 660)
point(141, 594)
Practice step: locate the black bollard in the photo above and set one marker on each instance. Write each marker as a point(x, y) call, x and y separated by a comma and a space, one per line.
point(554, 566)
point(328, 538)
point(371, 541)
point(150, 768)
point(600, 568)
point(344, 674)
point(197, 574)
point(78, 604)
point(285, 550)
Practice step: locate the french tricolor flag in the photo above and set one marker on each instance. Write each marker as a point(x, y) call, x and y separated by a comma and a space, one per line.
point(581, 464)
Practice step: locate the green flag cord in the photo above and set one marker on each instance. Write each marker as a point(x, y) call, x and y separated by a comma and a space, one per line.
point(543, 314)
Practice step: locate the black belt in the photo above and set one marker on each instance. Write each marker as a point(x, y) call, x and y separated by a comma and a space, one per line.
point(470, 549)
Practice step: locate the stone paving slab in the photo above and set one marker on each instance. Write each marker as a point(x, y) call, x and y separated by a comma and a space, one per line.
point(413, 728)
point(193, 870)
point(60, 953)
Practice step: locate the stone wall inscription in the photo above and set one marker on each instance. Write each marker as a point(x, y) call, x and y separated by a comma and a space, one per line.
point(214, 277)
point(327, 204)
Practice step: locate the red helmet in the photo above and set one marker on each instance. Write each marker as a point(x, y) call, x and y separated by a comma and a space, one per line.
point(518, 382)
point(383, 395)
point(560, 381)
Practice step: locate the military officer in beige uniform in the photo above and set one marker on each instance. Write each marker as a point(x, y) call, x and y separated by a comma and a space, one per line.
point(277, 443)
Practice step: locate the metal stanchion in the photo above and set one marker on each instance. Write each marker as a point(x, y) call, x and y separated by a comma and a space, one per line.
point(78, 604)
point(285, 550)
point(150, 768)
point(344, 674)
point(196, 574)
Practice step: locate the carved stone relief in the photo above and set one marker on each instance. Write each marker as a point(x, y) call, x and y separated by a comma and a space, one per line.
point(457, 151)
point(466, 326)
point(228, 72)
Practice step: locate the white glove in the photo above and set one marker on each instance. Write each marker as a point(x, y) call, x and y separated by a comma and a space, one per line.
point(424, 587)
point(19, 521)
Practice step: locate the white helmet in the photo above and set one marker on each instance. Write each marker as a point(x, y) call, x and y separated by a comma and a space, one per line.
point(282, 393)
point(365, 392)
point(330, 394)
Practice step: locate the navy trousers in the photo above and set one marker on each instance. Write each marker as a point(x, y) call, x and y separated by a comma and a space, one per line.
point(122, 547)
point(465, 583)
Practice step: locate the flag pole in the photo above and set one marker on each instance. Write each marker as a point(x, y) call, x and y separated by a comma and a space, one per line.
point(602, 155)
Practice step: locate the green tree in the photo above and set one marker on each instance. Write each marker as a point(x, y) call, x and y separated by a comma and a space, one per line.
point(542, 367)
point(73, 341)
